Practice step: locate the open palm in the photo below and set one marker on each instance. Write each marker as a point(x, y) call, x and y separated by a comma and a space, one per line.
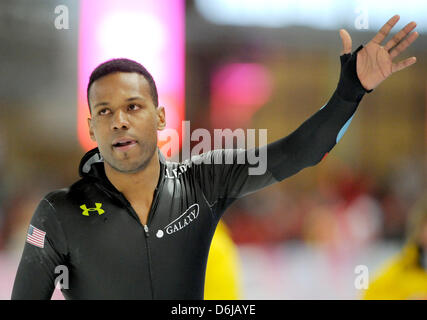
point(374, 61)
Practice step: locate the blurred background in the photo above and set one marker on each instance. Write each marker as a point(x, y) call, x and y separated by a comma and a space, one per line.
point(226, 64)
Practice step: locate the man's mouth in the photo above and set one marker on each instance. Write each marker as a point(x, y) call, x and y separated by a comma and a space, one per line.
point(124, 144)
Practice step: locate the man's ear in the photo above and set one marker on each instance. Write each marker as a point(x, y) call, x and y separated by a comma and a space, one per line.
point(161, 119)
point(92, 135)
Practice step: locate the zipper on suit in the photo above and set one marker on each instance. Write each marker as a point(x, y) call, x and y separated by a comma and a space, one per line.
point(147, 231)
point(129, 208)
point(149, 218)
point(150, 272)
point(147, 235)
point(146, 228)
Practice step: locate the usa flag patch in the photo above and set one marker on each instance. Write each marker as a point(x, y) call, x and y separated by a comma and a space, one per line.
point(36, 236)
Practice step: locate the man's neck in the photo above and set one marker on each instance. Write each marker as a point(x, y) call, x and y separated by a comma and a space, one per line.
point(139, 185)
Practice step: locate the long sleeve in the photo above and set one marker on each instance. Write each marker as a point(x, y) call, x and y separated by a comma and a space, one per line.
point(223, 181)
point(44, 250)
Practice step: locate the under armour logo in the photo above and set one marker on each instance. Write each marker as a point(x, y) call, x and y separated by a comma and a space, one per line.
point(86, 210)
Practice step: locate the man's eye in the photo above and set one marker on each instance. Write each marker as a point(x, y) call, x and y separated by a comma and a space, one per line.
point(134, 106)
point(103, 111)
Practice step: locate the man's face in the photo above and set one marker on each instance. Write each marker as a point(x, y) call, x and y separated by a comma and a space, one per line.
point(124, 120)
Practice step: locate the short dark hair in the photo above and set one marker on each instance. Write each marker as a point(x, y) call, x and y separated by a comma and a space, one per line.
point(122, 65)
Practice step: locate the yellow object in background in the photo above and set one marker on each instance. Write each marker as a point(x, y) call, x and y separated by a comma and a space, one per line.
point(402, 278)
point(223, 267)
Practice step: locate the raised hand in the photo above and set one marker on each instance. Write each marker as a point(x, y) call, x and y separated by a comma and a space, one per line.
point(374, 61)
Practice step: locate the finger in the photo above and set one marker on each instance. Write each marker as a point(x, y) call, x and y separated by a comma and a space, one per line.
point(400, 35)
point(403, 45)
point(346, 41)
point(385, 29)
point(403, 64)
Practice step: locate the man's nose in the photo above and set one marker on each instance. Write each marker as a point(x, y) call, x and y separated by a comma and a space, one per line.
point(120, 121)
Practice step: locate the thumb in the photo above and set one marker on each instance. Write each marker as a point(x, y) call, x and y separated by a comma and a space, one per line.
point(346, 41)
